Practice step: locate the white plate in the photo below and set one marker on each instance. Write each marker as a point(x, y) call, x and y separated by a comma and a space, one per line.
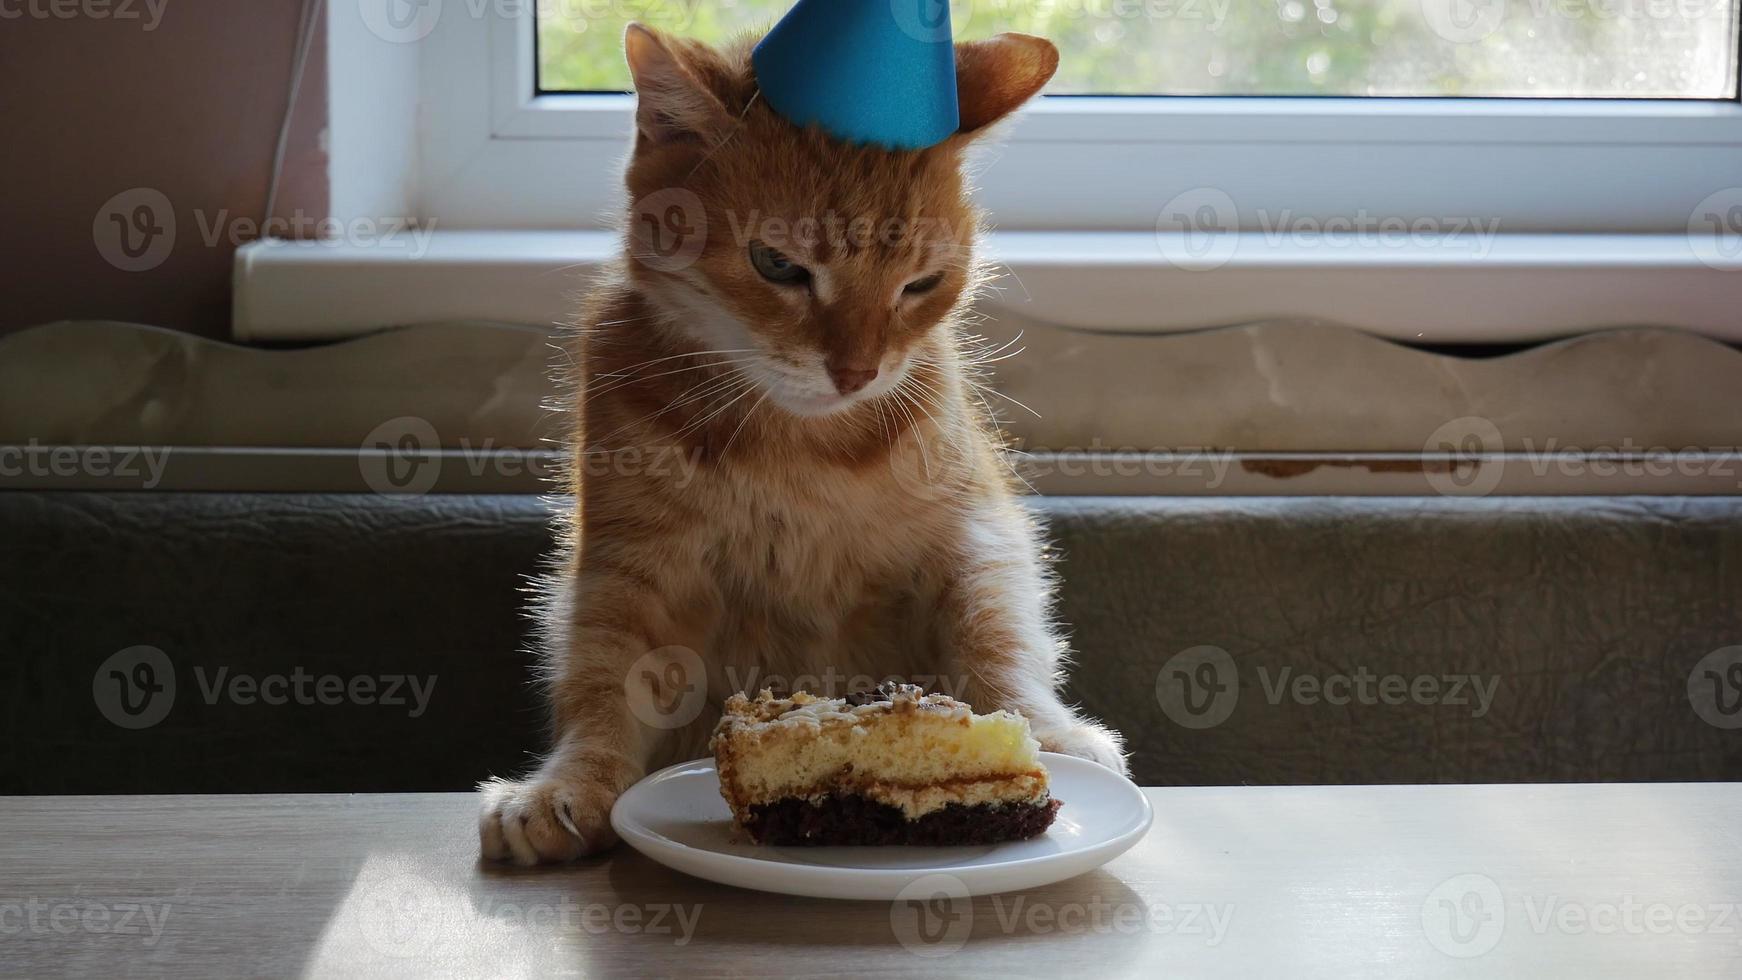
point(677, 817)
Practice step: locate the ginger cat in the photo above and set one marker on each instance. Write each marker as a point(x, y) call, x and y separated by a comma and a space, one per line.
point(786, 326)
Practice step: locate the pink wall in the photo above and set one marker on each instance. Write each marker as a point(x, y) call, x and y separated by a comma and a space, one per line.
point(181, 97)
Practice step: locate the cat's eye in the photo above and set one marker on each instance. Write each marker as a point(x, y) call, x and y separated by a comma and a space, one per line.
point(776, 267)
point(925, 285)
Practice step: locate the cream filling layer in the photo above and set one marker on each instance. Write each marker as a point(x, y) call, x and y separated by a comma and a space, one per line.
point(917, 801)
point(768, 763)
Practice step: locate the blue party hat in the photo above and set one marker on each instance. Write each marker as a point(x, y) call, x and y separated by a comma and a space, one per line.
point(866, 71)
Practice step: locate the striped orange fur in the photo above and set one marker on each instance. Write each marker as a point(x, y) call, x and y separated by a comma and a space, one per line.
point(832, 501)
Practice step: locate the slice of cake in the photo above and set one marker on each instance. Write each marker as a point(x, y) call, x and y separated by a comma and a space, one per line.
point(896, 766)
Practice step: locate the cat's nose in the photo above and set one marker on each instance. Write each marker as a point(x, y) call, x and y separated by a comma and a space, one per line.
point(848, 380)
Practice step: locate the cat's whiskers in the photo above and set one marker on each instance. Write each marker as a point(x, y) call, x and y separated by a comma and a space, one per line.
point(624, 372)
point(701, 423)
point(974, 349)
point(921, 397)
point(695, 392)
point(741, 423)
point(930, 394)
point(982, 361)
point(627, 375)
point(994, 391)
point(978, 389)
point(728, 384)
point(984, 276)
point(1002, 449)
point(719, 386)
point(883, 424)
point(591, 328)
point(625, 382)
point(900, 402)
point(974, 363)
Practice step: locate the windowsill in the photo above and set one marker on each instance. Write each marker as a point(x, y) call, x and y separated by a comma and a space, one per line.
point(1507, 288)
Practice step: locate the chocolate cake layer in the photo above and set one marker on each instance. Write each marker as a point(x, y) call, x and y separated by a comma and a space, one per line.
point(854, 820)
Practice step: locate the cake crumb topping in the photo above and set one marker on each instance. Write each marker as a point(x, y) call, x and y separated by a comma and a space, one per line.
point(807, 709)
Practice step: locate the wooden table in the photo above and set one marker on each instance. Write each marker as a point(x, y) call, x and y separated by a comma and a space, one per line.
point(1402, 881)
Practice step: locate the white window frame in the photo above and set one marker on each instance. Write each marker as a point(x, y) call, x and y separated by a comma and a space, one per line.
point(1595, 200)
point(1599, 165)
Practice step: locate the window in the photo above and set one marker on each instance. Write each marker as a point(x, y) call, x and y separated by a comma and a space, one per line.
point(1443, 212)
point(1657, 49)
point(1644, 125)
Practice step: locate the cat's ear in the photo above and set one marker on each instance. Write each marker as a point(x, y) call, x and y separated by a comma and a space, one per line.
point(996, 76)
point(672, 102)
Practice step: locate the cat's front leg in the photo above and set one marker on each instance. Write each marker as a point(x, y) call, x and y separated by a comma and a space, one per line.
point(999, 643)
point(562, 810)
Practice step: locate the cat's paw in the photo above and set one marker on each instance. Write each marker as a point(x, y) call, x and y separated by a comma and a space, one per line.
point(1096, 743)
point(545, 818)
